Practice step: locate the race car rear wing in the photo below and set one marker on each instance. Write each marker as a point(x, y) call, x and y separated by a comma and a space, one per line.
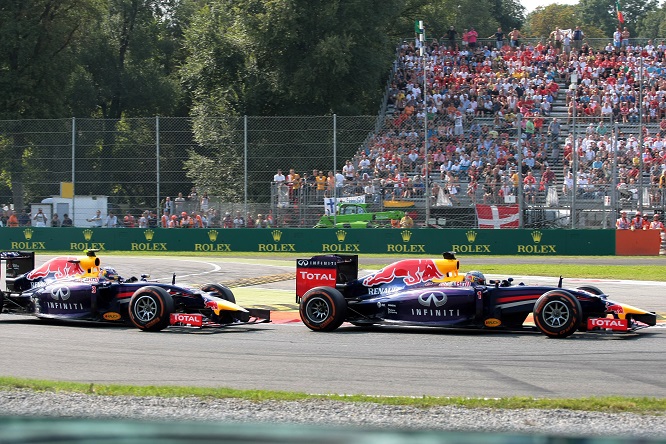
point(16, 264)
point(328, 270)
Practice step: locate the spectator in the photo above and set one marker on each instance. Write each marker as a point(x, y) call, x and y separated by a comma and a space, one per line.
point(279, 178)
point(249, 221)
point(178, 204)
point(227, 221)
point(656, 224)
point(406, 221)
point(623, 222)
point(168, 206)
point(66, 221)
point(24, 219)
point(261, 222)
point(639, 222)
point(185, 220)
point(96, 219)
point(499, 38)
point(239, 222)
point(40, 218)
point(143, 220)
point(205, 202)
point(55, 220)
point(111, 220)
point(577, 37)
point(164, 220)
point(12, 220)
point(129, 221)
point(472, 36)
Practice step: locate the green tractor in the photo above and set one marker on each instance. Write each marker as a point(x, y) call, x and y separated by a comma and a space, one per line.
point(356, 215)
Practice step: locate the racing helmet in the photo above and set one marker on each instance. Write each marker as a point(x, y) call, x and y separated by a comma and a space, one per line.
point(109, 273)
point(475, 277)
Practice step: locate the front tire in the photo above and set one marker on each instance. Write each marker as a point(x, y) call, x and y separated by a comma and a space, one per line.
point(557, 314)
point(150, 308)
point(323, 309)
point(222, 292)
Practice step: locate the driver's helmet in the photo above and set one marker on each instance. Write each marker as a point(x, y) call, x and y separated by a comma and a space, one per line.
point(109, 273)
point(475, 277)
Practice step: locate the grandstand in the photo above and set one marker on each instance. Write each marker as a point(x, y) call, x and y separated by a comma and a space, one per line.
point(489, 115)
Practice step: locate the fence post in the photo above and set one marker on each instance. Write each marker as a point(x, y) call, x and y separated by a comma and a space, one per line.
point(73, 166)
point(157, 165)
point(245, 151)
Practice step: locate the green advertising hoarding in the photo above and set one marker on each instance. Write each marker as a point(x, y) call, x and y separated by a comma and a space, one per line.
point(309, 240)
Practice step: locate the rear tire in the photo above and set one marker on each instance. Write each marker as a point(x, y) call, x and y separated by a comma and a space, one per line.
point(222, 291)
point(323, 309)
point(557, 314)
point(150, 308)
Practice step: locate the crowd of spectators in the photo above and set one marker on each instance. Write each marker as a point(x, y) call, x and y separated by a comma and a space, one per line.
point(474, 98)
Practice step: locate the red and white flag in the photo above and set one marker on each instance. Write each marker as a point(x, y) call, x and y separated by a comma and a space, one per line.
point(493, 216)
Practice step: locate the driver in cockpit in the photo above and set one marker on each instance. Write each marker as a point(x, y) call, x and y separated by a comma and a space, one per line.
point(109, 274)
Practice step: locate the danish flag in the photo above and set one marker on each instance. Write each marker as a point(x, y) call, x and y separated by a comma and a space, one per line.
point(493, 216)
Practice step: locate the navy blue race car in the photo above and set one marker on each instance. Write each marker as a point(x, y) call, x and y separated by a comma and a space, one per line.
point(79, 288)
point(432, 292)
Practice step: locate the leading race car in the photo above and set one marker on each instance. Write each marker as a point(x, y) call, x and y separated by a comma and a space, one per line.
point(79, 288)
point(432, 292)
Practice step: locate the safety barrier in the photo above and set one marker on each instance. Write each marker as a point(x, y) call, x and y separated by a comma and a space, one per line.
point(305, 240)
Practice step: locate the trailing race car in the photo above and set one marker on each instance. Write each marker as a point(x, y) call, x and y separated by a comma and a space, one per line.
point(79, 288)
point(432, 292)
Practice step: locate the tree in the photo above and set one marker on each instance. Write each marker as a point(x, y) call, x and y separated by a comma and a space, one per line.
point(603, 15)
point(544, 19)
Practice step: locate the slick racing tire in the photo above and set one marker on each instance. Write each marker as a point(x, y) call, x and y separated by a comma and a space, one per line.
point(222, 291)
point(557, 314)
point(323, 309)
point(150, 308)
point(590, 289)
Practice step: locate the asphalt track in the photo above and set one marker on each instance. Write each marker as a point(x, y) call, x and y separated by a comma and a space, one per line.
point(285, 355)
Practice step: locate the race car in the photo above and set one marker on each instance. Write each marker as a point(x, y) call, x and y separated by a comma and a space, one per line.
point(80, 288)
point(432, 292)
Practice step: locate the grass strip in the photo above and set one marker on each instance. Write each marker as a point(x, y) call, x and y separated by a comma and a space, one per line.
point(608, 404)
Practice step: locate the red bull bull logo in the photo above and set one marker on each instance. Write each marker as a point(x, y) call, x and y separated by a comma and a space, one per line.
point(212, 304)
point(56, 268)
point(411, 271)
point(614, 308)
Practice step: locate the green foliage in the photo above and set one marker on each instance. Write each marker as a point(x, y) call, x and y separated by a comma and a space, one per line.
point(602, 14)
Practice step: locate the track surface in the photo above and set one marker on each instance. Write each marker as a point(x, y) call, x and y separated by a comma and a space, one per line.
point(383, 361)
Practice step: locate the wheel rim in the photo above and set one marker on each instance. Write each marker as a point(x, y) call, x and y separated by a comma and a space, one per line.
point(145, 309)
point(556, 314)
point(317, 310)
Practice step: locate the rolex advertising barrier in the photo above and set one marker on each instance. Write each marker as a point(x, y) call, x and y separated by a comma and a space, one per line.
point(306, 240)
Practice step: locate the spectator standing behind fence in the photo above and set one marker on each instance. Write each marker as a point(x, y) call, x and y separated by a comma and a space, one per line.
point(96, 219)
point(472, 36)
point(639, 222)
point(168, 206)
point(451, 37)
point(499, 38)
point(656, 224)
point(227, 221)
point(129, 221)
point(40, 218)
point(261, 222)
point(12, 220)
point(249, 221)
point(164, 220)
point(577, 37)
point(205, 202)
point(178, 204)
point(143, 220)
point(239, 222)
point(111, 220)
point(623, 222)
point(55, 220)
point(66, 221)
point(24, 219)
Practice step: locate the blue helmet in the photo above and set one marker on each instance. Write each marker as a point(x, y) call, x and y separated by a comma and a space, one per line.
point(109, 273)
point(475, 277)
